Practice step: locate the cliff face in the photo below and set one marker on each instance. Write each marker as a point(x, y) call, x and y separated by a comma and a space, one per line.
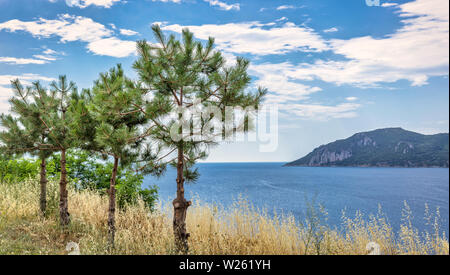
point(325, 157)
point(383, 147)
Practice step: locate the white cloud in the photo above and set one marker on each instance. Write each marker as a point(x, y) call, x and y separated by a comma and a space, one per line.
point(215, 3)
point(85, 3)
point(112, 47)
point(26, 79)
point(167, 1)
point(289, 7)
point(321, 112)
point(257, 38)
point(331, 30)
point(230, 59)
point(4, 104)
point(286, 91)
point(222, 5)
point(128, 32)
point(415, 52)
point(386, 5)
point(5, 87)
point(285, 7)
point(67, 27)
point(21, 61)
point(46, 56)
point(51, 52)
point(282, 19)
point(351, 98)
point(71, 28)
point(282, 86)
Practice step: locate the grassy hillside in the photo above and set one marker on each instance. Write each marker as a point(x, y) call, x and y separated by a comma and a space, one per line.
point(382, 147)
point(240, 229)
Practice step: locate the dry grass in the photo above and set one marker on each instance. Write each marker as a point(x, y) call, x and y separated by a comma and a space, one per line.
point(240, 229)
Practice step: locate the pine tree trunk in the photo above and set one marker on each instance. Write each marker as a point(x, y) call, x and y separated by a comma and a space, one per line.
point(63, 194)
point(43, 182)
point(112, 205)
point(180, 206)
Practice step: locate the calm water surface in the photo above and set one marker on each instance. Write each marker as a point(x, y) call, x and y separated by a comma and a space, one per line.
point(285, 189)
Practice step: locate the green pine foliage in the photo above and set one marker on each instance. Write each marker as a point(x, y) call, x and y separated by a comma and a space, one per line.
point(25, 132)
point(130, 123)
point(112, 106)
point(178, 73)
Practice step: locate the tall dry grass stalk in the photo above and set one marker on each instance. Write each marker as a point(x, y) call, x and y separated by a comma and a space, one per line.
point(239, 229)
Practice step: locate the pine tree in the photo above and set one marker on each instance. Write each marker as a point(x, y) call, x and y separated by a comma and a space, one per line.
point(177, 74)
point(25, 133)
point(58, 123)
point(117, 133)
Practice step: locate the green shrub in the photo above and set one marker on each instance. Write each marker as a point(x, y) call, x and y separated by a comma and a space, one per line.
point(84, 172)
point(129, 190)
point(14, 170)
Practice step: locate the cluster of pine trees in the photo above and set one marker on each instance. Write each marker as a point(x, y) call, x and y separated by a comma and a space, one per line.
point(129, 121)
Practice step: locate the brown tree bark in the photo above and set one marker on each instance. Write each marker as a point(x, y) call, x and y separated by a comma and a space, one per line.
point(112, 205)
point(43, 182)
point(180, 206)
point(63, 194)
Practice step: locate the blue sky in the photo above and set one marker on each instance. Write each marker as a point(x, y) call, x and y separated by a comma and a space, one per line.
point(333, 67)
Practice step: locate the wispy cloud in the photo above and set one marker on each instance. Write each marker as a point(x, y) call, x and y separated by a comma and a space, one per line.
point(280, 83)
point(257, 38)
point(386, 5)
point(5, 87)
point(67, 27)
point(261, 39)
point(167, 1)
point(282, 19)
point(128, 32)
point(289, 94)
point(51, 52)
point(86, 3)
point(321, 112)
point(223, 6)
point(46, 56)
point(334, 29)
point(71, 28)
point(289, 7)
point(5, 80)
point(22, 61)
point(415, 52)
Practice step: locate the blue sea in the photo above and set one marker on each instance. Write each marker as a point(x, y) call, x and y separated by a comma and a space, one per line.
point(287, 189)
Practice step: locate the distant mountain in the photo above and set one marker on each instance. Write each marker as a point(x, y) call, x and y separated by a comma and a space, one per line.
point(390, 147)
